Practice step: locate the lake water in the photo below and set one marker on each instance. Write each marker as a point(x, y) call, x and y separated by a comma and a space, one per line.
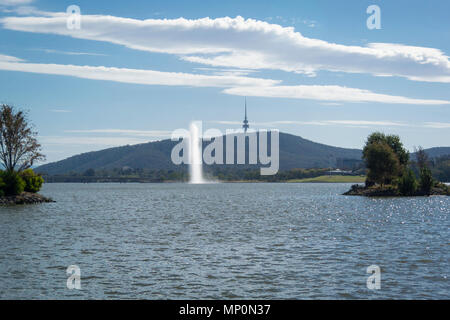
point(174, 241)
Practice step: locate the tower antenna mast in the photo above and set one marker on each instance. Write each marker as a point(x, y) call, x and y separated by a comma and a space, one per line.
point(245, 126)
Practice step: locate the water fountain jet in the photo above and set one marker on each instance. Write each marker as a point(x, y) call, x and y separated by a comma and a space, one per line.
point(195, 154)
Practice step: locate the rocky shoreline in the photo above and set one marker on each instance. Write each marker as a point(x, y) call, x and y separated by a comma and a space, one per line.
point(389, 191)
point(24, 198)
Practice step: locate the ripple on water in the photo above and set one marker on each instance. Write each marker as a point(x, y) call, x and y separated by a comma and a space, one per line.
point(231, 241)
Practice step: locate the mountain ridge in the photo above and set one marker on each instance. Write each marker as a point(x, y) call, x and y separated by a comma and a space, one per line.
point(295, 152)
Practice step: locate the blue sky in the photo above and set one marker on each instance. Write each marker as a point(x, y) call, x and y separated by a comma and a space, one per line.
point(310, 68)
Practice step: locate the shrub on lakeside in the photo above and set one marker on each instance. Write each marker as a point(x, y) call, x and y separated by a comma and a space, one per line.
point(13, 183)
point(407, 183)
point(2, 186)
point(33, 182)
point(426, 180)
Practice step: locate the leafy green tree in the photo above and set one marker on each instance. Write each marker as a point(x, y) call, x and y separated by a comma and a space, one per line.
point(14, 184)
point(426, 180)
point(381, 161)
point(393, 141)
point(33, 182)
point(422, 158)
point(407, 184)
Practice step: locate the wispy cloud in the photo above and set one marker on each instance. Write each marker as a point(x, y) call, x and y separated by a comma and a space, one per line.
point(249, 44)
point(342, 123)
point(70, 53)
point(309, 23)
point(102, 138)
point(139, 133)
point(24, 10)
point(60, 111)
point(5, 58)
point(225, 72)
point(367, 123)
point(328, 93)
point(438, 125)
point(136, 76)
point(91, 141)
point(234, 84)
point(15, 2)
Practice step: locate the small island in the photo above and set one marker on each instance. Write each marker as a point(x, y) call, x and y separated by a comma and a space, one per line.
point(19, 149)
point(390, 174)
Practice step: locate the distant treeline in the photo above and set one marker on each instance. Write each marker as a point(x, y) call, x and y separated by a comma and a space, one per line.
point(439, 166)
point(224, 174)
point(145, 175)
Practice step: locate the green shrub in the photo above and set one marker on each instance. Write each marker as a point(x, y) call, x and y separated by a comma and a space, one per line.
point(2, 187)
point(14, 184)
point(369, 182)
point(426, 180)
point(407, 184)
point(33, 182)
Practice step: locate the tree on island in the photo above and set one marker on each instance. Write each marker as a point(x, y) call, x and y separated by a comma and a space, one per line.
point(385, 157)
point(407, 184)
point(426, 177)
point(426, 180)
point(19, 150)
point(421, 157)
point(388, 166)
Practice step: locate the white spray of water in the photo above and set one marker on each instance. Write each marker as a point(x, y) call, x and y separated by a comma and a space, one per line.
point(195, 154)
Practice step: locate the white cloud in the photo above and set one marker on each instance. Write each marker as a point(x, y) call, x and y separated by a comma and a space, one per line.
point(225, 72)
point(139, 133)
point(70, 53)
point(367, 123)
point(15, 2)
point(137, 76)
point(321, 123)
point(96, 139)
point(340, 123)
point(327, 93)
point(92, 141)
point(438, 125)
point(29, 10)
point(4, 58)
point(60, 110)
point(249, 44)
point(234, 84)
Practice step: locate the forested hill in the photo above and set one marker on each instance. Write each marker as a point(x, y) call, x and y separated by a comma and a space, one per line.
point(295, 152)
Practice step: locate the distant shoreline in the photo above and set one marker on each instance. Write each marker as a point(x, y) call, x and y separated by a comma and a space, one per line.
point(319, 179)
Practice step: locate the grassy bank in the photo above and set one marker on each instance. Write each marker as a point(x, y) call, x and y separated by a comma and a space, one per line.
point(335, 179)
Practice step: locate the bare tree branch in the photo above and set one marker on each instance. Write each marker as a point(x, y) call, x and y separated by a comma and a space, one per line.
point(19, 148)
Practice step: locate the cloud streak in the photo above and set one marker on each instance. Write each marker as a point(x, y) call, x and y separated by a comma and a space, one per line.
point(233, 84)
point(247, 43)
point(91, 141)
point(341, 123)
point(328, 93)
point(437, 125)
point(71, 53)
point(138, 133)
point(136, 76)
point(14, 2)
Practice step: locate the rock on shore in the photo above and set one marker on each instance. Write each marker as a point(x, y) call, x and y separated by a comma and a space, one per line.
point(24, 198)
